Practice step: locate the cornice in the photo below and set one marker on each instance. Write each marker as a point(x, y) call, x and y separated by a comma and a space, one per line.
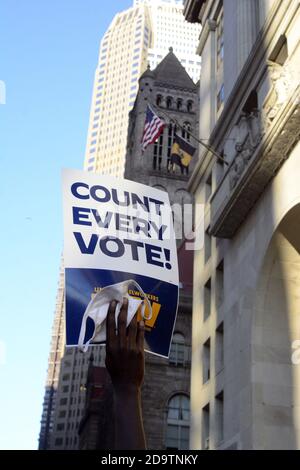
point(175, 87)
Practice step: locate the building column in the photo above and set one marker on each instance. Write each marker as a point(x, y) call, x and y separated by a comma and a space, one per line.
point(212, 25)
point(247, 28)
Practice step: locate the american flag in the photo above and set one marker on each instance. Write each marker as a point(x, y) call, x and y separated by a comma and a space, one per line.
point(154, 127)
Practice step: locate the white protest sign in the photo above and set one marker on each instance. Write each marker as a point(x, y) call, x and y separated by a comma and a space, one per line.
point(116, 231)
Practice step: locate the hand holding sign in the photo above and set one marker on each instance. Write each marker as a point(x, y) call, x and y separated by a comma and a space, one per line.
point(118, 232)
point(124, 348)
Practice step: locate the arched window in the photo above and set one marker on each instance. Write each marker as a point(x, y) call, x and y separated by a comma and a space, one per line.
point(177, 352)
point(158, 100)
point(169, 102)
point(186, 131)
point(178, 423)
point(179, 104)
point(189, 106)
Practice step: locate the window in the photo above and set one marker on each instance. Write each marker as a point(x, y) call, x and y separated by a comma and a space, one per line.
point(63, 401)
point(157, 152)
point(179, 104)
point(190, 106)
point(207, 246)
point(171, 135)
point(177, 352)
point(169, 102)
point(58, 441)
point(220, 40)
point(60, 426)
point(220, 348)
point(220, 283)
point(158, 100)
point(205, 427)
point(207, 300)
point(206, 361)
point(178, 423)
point(186, 131)
point(62, 414)
point(220, 97)
point(219, 413)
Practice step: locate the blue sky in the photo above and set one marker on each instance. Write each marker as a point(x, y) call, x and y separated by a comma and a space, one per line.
point(48, 55)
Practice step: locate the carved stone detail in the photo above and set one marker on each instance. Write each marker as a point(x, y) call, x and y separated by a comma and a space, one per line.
point(227, 218)
point(284, 80)
point(249, 135)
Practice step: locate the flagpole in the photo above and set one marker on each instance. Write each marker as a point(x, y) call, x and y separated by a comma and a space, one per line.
point(208, 147)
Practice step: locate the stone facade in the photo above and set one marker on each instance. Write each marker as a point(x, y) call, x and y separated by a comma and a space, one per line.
point(245, 383)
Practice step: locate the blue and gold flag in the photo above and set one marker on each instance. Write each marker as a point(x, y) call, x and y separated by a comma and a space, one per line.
point(182, 152)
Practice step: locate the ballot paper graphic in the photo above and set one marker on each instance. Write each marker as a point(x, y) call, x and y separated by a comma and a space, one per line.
point(118, 241)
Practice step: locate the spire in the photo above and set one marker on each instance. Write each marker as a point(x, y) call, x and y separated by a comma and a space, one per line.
point(148, 73)
point(171, 71)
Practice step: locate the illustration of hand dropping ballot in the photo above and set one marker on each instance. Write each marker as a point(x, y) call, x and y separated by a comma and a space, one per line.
point(97, 310)
point(119, 241)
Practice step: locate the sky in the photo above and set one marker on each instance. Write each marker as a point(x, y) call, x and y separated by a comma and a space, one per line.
point(48, 56)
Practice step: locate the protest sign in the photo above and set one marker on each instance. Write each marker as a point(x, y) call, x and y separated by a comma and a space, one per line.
point(117, 231)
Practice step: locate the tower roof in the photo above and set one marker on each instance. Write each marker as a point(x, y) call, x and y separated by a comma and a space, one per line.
point(171, 71)
point(148, 73)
